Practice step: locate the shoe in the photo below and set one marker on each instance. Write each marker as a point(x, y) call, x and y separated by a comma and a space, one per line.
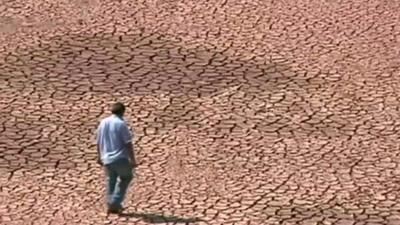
point(114, 209)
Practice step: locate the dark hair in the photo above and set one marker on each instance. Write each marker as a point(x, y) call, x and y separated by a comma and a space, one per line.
point(118, 108)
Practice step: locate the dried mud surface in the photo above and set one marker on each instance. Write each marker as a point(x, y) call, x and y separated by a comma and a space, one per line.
point(245, 112)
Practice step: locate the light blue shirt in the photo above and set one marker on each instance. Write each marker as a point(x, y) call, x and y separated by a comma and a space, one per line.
point(112, 136)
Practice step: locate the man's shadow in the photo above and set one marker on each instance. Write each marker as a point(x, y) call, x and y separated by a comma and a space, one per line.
point(157, 218)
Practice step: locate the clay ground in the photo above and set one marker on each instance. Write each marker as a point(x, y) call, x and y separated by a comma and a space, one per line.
point(255, 112)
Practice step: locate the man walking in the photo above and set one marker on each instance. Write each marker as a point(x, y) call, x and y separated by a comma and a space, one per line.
point(115, 153)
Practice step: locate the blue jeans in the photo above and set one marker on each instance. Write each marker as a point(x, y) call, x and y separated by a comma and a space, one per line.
point(116, 189)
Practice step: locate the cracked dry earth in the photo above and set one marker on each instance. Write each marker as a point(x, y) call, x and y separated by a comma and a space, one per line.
point(245, 112)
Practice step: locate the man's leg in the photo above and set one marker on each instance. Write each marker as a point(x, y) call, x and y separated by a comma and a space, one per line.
point(112, 177)
point(125, 174)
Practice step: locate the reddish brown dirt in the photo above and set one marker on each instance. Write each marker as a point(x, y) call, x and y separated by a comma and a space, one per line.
point(245, 112)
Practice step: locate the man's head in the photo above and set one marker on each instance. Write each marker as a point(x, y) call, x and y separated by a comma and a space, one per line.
point(118, 109)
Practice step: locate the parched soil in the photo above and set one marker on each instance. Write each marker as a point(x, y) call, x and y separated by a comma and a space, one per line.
point(255, 112)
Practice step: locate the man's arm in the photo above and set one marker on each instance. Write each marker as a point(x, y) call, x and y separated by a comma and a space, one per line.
point(128, 139)
point(131, 154)
point(99, 156)
point(98, 147)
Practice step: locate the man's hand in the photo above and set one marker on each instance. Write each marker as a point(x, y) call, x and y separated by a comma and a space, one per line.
point(132, 157)
point(134, 163)
point(99, 162)
point(99, 156)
